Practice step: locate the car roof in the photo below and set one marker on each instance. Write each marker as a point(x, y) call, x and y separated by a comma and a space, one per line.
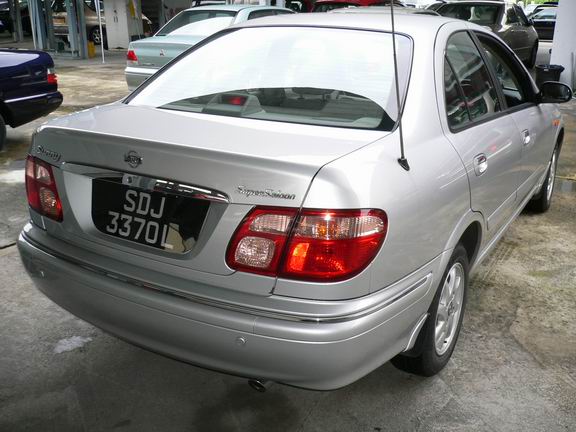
point(411, 24)
point(235, 7)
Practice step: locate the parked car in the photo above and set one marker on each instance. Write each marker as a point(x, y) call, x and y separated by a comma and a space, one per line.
point(385, 10)
point(545, 23)
point(534, 8)
point(245, 210)
point(28, 88)
point(328, 5)
point(60, 22)
point(146, 56)
point(507, 20)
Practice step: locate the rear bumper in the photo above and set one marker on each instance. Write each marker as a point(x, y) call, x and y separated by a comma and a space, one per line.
point(24, 110)
point(137, 75)
point(303, 353)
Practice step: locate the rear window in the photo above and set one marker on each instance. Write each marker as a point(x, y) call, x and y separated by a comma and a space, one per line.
point(199, 22)
point(328, 77)
point(478, 14)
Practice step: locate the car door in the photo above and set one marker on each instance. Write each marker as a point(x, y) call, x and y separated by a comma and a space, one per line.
point(486, 139)
point(534, 124)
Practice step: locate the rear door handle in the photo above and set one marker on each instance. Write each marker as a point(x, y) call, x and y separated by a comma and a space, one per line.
point(526, 137)
point(480, 164)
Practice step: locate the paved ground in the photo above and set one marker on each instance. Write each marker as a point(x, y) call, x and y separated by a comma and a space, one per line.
point(514, 368)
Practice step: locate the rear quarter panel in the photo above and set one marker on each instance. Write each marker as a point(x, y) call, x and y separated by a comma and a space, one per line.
point(425, 206)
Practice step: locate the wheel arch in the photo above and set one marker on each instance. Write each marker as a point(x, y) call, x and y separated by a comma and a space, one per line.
point(469, 232)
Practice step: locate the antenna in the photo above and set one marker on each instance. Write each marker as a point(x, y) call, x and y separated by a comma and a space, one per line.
point(402, 160)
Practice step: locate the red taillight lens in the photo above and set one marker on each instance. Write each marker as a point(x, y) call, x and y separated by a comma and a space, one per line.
point(332, 245)
point(259, 241)
point(41, 189)
point(131, 56)
point(324, 245)
point(51, 76)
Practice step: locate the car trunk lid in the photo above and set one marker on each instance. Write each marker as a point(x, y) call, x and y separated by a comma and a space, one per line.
point(156, 51)
point(248, 162)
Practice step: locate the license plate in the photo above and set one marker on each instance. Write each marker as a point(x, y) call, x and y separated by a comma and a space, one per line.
point(161, 220)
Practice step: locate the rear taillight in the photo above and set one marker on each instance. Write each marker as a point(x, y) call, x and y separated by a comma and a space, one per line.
point(323, 245)
point(51, 76)
point(131, 57)
point(41, 189)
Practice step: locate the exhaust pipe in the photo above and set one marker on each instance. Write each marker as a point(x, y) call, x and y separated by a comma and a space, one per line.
point(259, 386)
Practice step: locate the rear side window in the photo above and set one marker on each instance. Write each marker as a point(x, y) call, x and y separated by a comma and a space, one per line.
point(261, 13)
point(455, 103)
point(472, 76)
point(197, 22)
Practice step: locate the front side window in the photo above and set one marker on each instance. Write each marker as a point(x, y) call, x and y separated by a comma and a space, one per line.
point(523, 20)
point(328, 77)
point(199, 22)
point(509, 74)
point(472, 76)
point(511, 17)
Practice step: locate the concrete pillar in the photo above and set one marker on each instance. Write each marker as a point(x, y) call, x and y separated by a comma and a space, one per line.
point(123, 22)
point(564, 44)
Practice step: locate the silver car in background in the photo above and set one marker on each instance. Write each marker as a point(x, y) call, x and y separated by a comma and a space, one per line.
point(245, 210)
point(146, 56)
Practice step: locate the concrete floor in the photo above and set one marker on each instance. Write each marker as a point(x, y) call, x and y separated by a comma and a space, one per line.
point(514, 368)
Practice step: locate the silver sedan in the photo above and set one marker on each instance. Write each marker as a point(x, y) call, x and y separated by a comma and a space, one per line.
point(248, 210)
point(146, 56)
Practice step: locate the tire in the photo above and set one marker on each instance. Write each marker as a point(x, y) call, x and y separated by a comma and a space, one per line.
point(95, 36)
point(433, 349)
point(2, 133)
point(542, 200)
point(531, 62)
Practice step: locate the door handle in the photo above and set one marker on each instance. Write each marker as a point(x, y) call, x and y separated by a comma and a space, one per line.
point(526, 137)
point(480, 164)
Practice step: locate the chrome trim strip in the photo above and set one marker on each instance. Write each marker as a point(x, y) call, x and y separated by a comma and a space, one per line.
point(36, 96)
point(141, 70)
point(235, 308)
point(150, 183)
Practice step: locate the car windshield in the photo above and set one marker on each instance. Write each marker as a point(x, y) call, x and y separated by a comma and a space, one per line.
point(478, 14)
point(197, 22)
point(328, 77)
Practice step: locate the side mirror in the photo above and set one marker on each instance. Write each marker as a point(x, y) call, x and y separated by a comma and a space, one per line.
point(554, 92)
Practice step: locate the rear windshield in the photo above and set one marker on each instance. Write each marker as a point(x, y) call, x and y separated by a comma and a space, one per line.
point(200, 22)
point(478, 14)
point(328, 77)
